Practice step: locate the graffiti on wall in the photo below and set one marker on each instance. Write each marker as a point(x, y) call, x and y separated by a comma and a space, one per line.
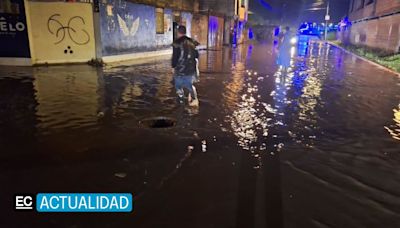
point(13, 30)
point(61, 32)
point(72, 29)
point(127, 27)
point(128, 31)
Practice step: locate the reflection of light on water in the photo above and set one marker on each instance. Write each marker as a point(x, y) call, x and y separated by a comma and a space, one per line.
point(246, 122)
point(132, 91)
point(292, 52)
point(235, 86)
point(307, 86)
point(313, 86)
point(310, 95)
point(309, 98)
point(394, 130)
point(283, 82)
point(66, 100)
point(320, 48)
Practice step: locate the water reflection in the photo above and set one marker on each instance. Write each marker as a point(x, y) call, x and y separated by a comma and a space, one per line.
point(264, 118)
point(133, 91)
point(69, 100)
point(248, 122)
point(394, 130)
point(307, 83)
point(17, 107)
point(215, 61)
point(262, 124)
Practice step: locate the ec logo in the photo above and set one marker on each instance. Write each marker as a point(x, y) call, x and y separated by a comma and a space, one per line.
point(23, 202)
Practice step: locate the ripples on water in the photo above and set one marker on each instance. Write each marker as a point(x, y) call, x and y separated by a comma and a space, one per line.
point(394, 129)
point(289, 110)
point(80, 96)
point(326, 113)
point(69, 100)
point(257, 96)
point(324, 117)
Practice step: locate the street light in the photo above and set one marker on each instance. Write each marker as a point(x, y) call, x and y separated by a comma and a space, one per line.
point(327, 16)
point(327, 19)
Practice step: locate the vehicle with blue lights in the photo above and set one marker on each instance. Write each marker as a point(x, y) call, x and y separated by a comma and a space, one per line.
point(316, 29)
point(311, 29)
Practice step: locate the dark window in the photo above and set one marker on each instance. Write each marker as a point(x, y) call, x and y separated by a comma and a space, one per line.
point(160, 21)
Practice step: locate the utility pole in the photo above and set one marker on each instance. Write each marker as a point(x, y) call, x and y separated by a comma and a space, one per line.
point(327, 19)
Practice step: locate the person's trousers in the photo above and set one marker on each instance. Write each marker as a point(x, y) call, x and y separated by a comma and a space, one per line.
point(185, 82)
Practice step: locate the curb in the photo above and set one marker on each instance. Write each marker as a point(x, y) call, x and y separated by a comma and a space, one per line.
point(135, 56)
point(365, 59)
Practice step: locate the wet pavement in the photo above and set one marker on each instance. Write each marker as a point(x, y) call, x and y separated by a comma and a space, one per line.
point(318, 146)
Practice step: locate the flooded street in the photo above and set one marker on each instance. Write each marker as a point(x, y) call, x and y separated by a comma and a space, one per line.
point(317, 146)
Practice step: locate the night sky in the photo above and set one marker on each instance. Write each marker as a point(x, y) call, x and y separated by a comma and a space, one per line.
point(297, 11)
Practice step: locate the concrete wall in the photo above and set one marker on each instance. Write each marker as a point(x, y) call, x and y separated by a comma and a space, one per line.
point(383, 33)
point(226, 9)
point(186, 5)
point(14, 43)
point(378, 32)
point(127, 28)
point(360, 9)
point(366, 11)
point(215, 32)
point(186, 20)
point(200, 30)
point(208, 31)
point(387, 6)
point(165, 40)
point(223, 7)
point(60, 32)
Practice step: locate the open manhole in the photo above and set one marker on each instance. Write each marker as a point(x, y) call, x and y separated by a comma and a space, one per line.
point(158, 122)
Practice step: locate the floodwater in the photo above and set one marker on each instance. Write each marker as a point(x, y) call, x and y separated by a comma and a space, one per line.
point(316, 146)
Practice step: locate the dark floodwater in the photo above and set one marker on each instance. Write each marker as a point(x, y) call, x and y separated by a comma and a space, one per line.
point(317, 146)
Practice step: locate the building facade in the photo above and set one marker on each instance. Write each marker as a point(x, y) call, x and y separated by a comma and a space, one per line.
point(14, 42)
point(241, 18)
point(375, 23)
point(226, 21)
point(72, 31)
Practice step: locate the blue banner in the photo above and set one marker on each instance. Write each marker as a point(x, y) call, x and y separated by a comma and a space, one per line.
point(14, 40)
point(84, 202)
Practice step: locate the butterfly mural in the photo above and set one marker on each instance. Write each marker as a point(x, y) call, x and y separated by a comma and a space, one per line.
point(125, 29)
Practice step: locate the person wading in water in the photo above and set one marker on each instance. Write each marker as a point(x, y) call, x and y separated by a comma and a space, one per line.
point(184, 62)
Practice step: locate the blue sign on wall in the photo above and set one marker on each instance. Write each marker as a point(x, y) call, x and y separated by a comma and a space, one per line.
point(14, 40)
point(127, 27)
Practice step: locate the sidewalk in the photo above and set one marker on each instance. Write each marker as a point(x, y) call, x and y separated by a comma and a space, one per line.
point(365, 58)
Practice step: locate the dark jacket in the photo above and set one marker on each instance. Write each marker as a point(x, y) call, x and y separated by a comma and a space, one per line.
point(184, 56)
